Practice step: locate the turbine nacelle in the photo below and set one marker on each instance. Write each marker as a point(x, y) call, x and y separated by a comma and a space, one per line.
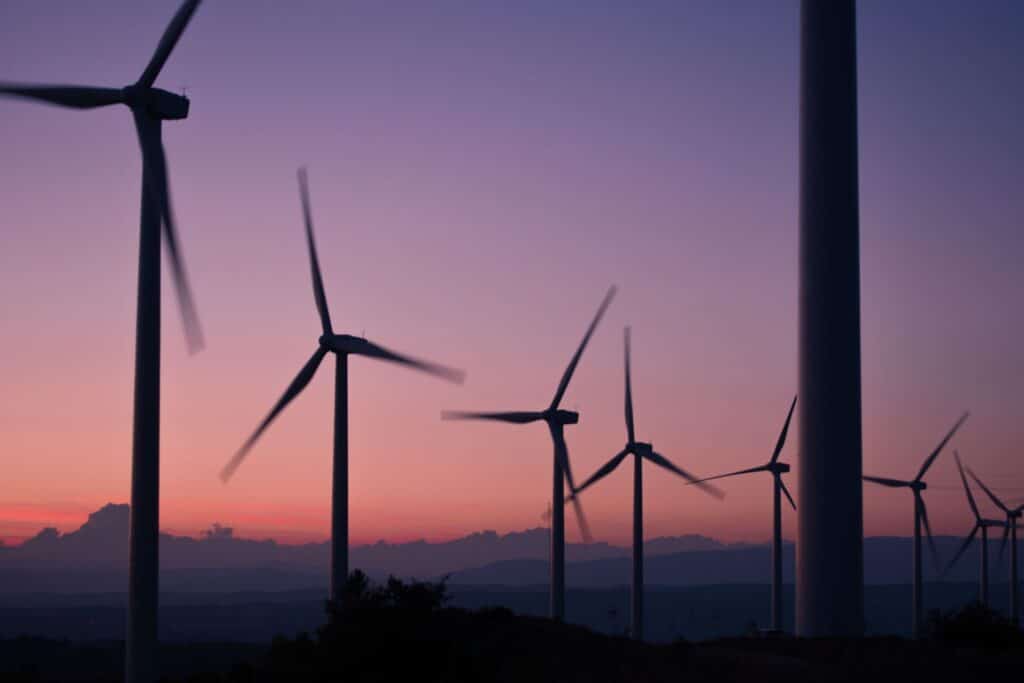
point(159, 103)
point(640, 447)
point(342, 343)
point(562, 417)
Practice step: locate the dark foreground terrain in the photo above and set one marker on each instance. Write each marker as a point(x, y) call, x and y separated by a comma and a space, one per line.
point(693, 613)
point(401, 631)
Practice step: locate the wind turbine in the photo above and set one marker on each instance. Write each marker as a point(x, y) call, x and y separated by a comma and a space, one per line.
point(150, 107)
point(342, 346)
point(917, 485)
point(980, 524)
point(556, 419)
point(1012, 515)
point(777, 469)
point(639, 450)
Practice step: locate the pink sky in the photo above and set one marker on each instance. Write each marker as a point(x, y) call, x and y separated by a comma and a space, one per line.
point(480, 174)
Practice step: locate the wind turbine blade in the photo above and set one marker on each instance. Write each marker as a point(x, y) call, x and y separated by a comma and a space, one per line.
point(294, 389)
point(371, 350)
point(74, 96)
point(513, 417)
point(894, 483)
point(928, 531)
point(604, 471)
point(629, 391)
point(157, 163)
point(759, 468)
point(782, 435)
point(967, 489)
point(785, 490)
point(962, 550)
point(167, 42)
point(567, 375)
point(581, 520)
point(991, 496)
point(942, 444)
point(662, 461)
point(314, 262)
point(1002, 542)
point(562, 454)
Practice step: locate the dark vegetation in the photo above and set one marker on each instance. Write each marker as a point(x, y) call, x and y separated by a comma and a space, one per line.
point(405, 631)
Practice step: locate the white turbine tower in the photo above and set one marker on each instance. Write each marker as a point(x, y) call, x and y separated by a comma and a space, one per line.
point(342, 346)
point(917, 486)
point(150, 107)
point(556, 419)
point(830, 529)
point(982, 524)
point(1010, 530)
point(777, 469)
point(640, 451)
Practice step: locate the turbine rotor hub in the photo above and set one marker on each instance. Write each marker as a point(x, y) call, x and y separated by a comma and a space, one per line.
point(562, 417)
point(158, 103)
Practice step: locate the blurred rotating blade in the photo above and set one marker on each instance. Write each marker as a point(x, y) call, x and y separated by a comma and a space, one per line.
point(962, 550)
point(294, 389)
point(782, 435)
point(74, 96)
point(562, 456)
point(942, 444)
point(662, 461)
point(371, 350)
point(521, 417)
point(314, 261)
point(785, 490)
point(167, 42)
point(928, 532)
point(567, 375)
point(601, 473)
point(629, 391)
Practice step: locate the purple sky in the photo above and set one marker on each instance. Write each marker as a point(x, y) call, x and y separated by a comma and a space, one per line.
point(481, 171)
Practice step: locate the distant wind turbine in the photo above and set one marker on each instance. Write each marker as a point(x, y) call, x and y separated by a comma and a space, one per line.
point(777, 469)
point(639, 450)
point(1012, 515)
point(150, 107)
point(981, 524)
point(342, 346)
point(556, 419)
point(917, 485)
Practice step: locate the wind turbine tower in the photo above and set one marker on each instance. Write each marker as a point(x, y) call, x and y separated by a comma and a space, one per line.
point(1010, 530)
point(150, 107)
point(639, 450)
point(830, 528)
point(777, 469)
point(342, 346)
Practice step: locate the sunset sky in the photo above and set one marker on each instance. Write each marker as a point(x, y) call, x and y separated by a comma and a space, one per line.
point(481, 172)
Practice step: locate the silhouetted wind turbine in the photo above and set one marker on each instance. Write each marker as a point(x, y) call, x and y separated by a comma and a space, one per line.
point(1012, 515)
point(342, 346)
point(556, 419)
point(639, 451)
point(150, 107)
point(980, 524)
point(777, 469)
point(917, 485)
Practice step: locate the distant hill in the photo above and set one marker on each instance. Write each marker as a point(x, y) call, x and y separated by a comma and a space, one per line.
point(99, 548)
point(94, 559)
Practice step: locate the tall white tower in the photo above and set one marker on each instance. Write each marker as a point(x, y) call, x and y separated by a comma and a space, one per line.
point(830, 564)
